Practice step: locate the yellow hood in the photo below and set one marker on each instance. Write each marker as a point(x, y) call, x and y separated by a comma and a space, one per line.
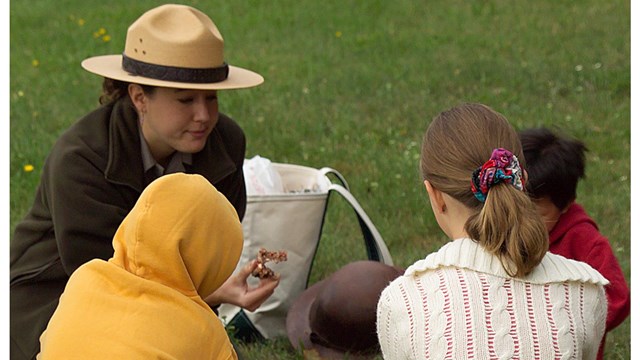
point(181, 233)
point(178, 244)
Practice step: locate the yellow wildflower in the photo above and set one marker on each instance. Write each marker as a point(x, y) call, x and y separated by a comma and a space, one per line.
point(35, 62)
point(106, 38)
point(338, 34)
point(81, 22)
point(28, 168)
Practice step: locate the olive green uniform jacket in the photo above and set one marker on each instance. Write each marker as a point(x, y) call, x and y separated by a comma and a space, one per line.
point(90, 181)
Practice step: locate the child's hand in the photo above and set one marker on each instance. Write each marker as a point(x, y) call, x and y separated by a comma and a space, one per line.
point(236, 290)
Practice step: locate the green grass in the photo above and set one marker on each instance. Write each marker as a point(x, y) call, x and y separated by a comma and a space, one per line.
point(353, 85)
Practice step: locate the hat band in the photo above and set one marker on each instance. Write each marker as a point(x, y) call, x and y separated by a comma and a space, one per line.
point(175, 74)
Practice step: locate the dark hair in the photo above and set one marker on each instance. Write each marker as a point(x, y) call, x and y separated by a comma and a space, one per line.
point(113, 90)
point(457, 142)
point(555, 164)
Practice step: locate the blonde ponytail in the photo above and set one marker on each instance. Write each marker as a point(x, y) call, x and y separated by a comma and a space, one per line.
point(509, 227)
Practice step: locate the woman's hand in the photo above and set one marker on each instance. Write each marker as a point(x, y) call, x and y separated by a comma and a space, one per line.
point(236, 290)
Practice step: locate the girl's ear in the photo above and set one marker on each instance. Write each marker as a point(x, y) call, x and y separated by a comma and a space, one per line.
point(427, 185)
point(436, 197)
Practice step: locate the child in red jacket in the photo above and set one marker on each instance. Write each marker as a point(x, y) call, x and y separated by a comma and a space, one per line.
point(554, 165)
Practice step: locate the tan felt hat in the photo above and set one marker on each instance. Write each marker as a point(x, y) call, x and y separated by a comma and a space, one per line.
point(174, 46)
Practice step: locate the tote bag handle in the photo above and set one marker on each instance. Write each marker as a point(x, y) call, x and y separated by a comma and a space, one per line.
point(376, 248)
point(330, 171)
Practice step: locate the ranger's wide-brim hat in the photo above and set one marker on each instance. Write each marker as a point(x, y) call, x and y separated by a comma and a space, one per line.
point(174, 46)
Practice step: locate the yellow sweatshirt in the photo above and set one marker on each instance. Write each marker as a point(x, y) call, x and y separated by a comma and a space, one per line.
point(178, 244)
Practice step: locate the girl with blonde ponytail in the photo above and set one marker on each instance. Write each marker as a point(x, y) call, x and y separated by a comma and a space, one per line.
point(493, 291)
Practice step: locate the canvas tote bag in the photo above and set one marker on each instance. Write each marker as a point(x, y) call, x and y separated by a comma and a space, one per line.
point(291, 220)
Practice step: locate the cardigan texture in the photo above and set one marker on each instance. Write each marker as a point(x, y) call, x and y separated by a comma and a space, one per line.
point(459, 303)
point(180, 242)
point(90, 181)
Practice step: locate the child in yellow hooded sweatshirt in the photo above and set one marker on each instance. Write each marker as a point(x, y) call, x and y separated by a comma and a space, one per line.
point(178, 244)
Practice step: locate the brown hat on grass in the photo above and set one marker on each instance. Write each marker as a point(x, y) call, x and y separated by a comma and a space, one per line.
point(337, 316)
point(174, 46)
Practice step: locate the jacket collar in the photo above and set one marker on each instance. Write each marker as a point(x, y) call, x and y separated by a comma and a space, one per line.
point(124, 163)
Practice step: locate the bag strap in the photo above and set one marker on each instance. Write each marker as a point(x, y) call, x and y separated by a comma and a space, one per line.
point(375, 245)
point(376, 248)
point(327, 170)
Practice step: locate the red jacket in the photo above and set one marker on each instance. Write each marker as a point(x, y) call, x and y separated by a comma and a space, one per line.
point(576, 236)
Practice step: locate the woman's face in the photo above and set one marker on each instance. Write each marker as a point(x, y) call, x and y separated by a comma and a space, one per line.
point(176, 119)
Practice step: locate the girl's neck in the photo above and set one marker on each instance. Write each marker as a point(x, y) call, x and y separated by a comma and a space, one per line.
point(456, 217)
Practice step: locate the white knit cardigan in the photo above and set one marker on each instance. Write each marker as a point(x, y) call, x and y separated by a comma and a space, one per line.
point(459, 303)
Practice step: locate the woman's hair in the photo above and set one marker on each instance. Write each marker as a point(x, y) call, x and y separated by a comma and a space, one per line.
point(459, 141)
point(113, 90)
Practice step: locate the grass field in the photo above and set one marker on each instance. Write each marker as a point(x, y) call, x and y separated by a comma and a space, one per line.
point(353, 85)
